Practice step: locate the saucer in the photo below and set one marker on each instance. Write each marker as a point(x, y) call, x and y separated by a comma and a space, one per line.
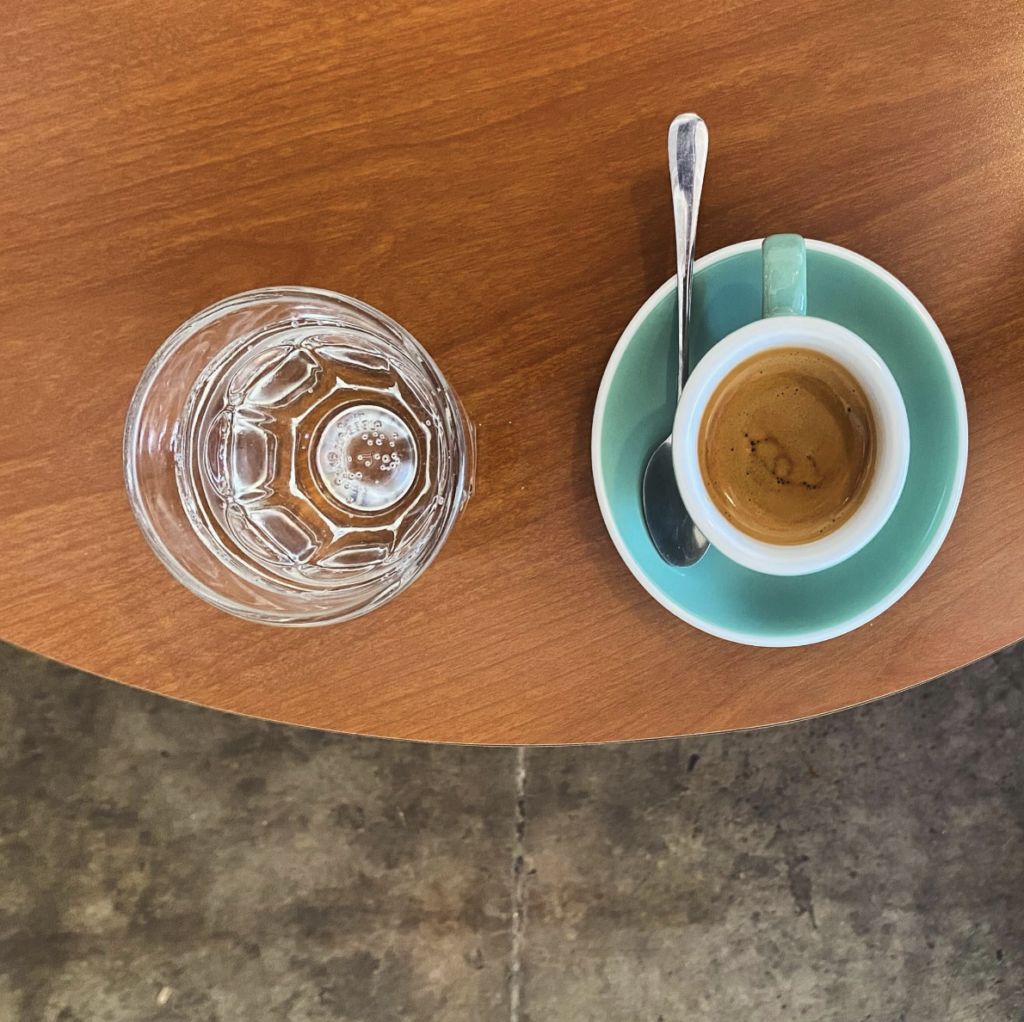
point(635, 409)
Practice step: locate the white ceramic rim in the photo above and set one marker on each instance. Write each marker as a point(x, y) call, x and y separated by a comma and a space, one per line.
point(821, 634)
point(892, 440)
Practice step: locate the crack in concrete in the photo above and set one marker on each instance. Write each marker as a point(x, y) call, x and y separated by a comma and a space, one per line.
point(518, 888)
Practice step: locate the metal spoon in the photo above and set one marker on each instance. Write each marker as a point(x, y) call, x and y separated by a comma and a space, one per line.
point(671, 528)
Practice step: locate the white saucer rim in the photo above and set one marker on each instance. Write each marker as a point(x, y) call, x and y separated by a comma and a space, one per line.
point(804, 638)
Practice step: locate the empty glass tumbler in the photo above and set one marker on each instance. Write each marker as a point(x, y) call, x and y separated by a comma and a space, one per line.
point(295, 457)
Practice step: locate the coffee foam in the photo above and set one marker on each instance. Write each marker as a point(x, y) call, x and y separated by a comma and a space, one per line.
point(787, 446)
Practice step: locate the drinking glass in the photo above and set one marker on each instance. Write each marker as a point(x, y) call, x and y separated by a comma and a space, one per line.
point(295, 457)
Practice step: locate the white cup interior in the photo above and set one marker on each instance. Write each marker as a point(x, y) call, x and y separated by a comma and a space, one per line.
point(892, 440)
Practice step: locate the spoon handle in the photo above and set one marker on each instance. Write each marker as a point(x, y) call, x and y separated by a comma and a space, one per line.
point(687, 158)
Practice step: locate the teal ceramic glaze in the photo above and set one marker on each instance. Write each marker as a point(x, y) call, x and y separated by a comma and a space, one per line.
point(635, 410)
point(783, 276)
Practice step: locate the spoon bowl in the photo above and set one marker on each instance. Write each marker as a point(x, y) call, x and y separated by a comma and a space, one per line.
point(673, 532)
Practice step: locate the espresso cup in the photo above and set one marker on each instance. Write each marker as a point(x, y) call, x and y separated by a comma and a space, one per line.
point(786, 325)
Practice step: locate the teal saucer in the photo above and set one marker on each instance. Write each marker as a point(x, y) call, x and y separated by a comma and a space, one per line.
point(634, 412)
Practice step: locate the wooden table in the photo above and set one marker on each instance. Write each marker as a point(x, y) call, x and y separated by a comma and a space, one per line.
point(493, 175)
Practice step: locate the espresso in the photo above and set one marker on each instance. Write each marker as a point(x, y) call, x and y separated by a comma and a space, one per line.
point(787, 446)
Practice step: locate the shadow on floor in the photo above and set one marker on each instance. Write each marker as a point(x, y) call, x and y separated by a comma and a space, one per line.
point(159, 861)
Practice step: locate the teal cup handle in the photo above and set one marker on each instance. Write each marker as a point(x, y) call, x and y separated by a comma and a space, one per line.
point(783, 276)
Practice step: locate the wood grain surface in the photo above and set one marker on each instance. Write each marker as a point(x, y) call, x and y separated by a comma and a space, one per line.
point(493, 175)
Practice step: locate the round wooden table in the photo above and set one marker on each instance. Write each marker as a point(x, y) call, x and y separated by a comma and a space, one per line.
point(494, 176)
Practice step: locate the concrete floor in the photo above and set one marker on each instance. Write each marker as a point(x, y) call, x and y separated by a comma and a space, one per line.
point(164, 862)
